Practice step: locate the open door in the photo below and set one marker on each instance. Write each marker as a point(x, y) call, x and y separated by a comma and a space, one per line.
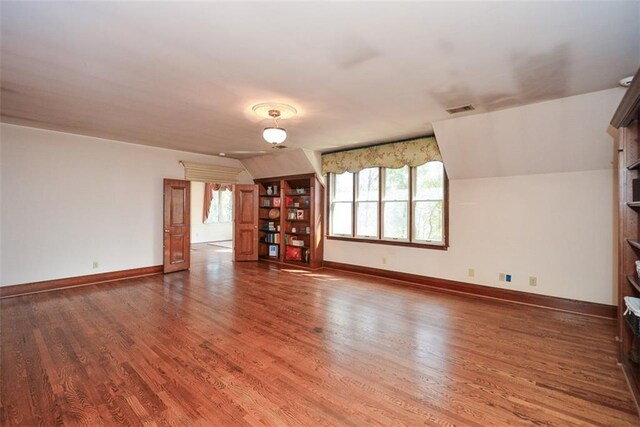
point(177, 225)
point(245, 223)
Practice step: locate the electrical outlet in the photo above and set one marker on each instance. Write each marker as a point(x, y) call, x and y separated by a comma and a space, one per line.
point(501, 277)
point(95, 264)
point(508, 278)
point(533, 281)
point(471, 272)
point(384, 259)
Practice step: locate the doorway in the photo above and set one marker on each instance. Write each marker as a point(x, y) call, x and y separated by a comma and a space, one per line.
point(213, 226)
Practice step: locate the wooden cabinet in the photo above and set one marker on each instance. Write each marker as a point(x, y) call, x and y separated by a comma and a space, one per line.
point(290, 220)
point(627, 163)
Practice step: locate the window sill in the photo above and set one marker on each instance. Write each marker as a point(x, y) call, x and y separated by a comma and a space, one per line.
point(390, 242)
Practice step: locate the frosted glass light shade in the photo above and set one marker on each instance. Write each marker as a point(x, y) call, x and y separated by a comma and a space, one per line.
point(274, 135)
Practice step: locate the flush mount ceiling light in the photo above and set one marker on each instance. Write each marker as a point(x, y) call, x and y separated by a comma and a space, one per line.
point(274, 134)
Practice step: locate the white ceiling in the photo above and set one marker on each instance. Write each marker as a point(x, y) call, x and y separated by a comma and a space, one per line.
point(185, 75)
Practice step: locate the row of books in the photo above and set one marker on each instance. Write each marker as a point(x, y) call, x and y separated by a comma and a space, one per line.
point(272, 238)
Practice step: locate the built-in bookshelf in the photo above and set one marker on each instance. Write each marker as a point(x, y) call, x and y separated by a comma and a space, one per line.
point(291, 220)
point(626, 120)
point(269, 220)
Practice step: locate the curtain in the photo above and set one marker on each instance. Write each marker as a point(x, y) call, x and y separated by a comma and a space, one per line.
point(208, 197)
point(210, 173)
point(393, 155)
point(209, 188)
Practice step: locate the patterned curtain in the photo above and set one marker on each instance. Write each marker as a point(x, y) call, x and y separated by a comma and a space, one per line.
point(209, 188)
point(394, 155)
point(208, 197)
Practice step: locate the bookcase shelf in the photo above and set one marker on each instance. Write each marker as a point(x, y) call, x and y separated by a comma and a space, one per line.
point(634, 243)
point(308, 193)
point(634, 283)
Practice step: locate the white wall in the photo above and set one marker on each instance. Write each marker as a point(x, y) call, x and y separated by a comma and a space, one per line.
point(562, 135)
point(556, 227)
point(205, 232)
point(282, 163)
point(531, 194)
point(69, 200)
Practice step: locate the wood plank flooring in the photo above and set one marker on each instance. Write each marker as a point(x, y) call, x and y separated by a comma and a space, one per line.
point(246, 344)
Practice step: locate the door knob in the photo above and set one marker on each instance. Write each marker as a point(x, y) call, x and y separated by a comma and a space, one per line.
point(166, 230)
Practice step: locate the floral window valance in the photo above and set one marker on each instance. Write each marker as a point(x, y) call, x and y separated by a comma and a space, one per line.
point(394, 155)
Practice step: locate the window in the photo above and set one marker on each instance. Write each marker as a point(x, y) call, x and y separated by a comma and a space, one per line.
point(395, 205)
point(428, 202)
point(342, 204)
point(405, 205)
point(367, 203)
point(221, 209)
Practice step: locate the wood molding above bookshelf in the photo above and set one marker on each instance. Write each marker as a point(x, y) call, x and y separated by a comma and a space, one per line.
point(296, 233)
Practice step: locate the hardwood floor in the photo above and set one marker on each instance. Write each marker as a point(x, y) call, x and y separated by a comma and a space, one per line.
point(245, 344)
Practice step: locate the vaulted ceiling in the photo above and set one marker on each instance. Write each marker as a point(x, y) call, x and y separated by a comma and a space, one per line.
point(185, 75)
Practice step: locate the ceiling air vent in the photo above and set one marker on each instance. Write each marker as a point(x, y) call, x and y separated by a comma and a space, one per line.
point(460, 109)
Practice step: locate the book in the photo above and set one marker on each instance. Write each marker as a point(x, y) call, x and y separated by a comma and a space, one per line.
point(273, 251)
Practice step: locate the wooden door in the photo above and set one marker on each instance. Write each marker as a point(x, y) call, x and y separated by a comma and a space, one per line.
point(177, 225)
point(245, 223)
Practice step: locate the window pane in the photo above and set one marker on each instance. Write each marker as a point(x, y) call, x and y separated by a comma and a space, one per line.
point(367, 219)
point(428, 221)
point(396, 184)
point(214, 208)
point(341, 218)
point(342, 187)
point(226, 206)
point(368, 184)
point(429, 181)
point(221, 208)
point(395, 220)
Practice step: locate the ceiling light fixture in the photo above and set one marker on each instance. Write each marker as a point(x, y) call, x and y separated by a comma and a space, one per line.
point(274, 134)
